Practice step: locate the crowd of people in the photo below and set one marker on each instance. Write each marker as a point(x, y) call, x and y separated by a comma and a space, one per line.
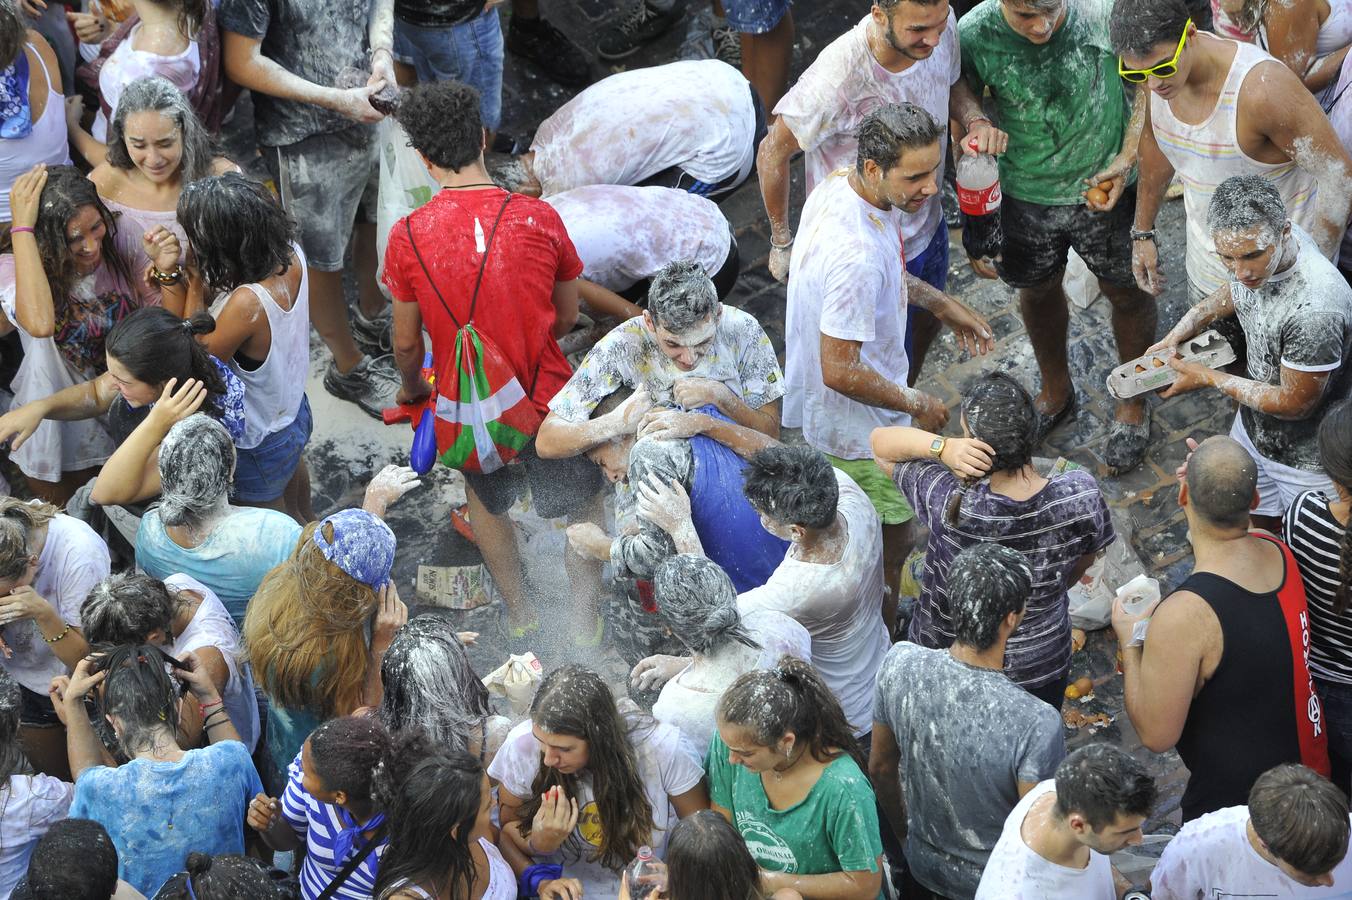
point(209, 691)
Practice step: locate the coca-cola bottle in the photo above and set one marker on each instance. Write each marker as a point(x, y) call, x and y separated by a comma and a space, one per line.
point(978, 180)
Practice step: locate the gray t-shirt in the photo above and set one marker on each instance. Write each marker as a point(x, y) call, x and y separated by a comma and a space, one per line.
point(1300, 319)
point(967, 736)
point(315, 39)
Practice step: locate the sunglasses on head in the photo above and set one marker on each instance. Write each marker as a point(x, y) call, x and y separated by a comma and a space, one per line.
point(1163, 70)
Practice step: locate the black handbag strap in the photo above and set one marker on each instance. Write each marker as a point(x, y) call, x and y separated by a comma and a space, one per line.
point(351, 865)
point(408, 229)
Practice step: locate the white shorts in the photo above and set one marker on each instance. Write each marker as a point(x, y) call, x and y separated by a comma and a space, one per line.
point(1279, 485)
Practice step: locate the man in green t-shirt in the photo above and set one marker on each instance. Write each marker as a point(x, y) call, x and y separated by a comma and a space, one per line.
point(1053, 76)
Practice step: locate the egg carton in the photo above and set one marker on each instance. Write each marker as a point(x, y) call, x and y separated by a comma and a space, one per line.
point(1152, 371)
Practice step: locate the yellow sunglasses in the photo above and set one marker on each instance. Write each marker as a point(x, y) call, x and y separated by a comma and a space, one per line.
point(1163, 70)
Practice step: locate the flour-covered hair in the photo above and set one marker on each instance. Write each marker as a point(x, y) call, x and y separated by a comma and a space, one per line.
point(986, 582)
point(891, 130)
point(681, 296)
point(1244, 202)
point(197, 460)
point(697, 600)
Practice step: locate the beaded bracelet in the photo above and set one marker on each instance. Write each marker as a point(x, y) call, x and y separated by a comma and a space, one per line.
point(64, 631)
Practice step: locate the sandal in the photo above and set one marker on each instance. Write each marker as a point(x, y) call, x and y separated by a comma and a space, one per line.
point(1126, 446)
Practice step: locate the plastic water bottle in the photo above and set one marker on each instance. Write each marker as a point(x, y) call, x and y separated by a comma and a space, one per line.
point(647, 875)
point(978, 180)
point(424, 451)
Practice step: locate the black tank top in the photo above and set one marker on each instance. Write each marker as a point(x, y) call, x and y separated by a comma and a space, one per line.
point(1259, 708)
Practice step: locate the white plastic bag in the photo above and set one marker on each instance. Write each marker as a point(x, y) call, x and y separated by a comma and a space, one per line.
point(516, 679)
point(1080, 284)
point(405, 184)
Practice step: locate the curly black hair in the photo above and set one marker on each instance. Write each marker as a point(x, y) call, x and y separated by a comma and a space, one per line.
point(237, 230)
point(443, 123)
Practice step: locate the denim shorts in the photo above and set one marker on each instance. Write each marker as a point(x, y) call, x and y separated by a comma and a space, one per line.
point(262, 472)
point(470, 52)
point(321, 180)
point(754, 16)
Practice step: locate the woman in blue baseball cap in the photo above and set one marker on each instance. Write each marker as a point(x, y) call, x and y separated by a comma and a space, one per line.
point(319, 625)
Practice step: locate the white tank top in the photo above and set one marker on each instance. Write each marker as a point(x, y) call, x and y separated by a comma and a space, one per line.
point(273, 392)
point(501, 881)
point(46, 143)
point(1206, 154)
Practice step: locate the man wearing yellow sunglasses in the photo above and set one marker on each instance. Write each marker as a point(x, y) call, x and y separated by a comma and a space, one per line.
point(1220, 109)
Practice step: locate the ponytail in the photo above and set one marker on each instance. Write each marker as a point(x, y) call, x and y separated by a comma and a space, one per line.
point(790, 697)
point(155, 345)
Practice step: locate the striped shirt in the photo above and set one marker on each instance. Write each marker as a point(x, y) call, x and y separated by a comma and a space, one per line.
point(1054, 529)
point(317, 823)
point(1315, 538)
point(1205, 154)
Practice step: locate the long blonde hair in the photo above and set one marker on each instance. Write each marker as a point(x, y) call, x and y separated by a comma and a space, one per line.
point(18, 520)
point(304, 632)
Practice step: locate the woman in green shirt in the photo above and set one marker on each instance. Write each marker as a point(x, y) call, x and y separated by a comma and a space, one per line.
point(785, 770)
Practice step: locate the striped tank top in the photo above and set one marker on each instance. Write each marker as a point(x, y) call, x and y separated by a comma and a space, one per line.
point(1208, 153)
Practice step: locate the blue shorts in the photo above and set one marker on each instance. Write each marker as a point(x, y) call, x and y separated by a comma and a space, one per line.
point(931, 267)
point(470, 52)
point(754, 16)
point(261, 473)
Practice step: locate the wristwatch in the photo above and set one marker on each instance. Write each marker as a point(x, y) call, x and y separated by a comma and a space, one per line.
point(1143, 235)
point(937, 447)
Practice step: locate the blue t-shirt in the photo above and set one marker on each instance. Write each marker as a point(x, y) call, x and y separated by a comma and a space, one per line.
point(231, 561)
point(317, 823)
point(159, 812)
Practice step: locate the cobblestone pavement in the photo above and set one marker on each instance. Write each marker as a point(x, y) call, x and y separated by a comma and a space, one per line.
point(1144, 501)
point(347, 448)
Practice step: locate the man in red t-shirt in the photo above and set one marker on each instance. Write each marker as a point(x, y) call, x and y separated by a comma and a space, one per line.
point(528, 297)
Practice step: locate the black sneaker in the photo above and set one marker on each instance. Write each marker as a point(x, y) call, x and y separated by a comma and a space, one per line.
point(371, 384)
point(550, 49)
point(727, 45)
point(373, 335)
point(641, 24)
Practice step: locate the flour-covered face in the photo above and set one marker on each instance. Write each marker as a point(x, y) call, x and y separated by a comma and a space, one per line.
point(1251, 254)
point(612, 458)
point(690, 346)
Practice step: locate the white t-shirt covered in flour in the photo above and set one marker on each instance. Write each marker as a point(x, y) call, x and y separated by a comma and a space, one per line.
point(624, 234)
point(1212, 858)
point(848, 282)
point(666, 772)
point(843, 85)
point(73, 560)
point(211, 626)
point(688, 701)
point(840, 605)
point(694, 114)
point(29, 805)
point(1015, 871)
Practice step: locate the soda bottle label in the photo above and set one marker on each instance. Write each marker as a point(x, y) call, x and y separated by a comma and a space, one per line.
point(979, 202)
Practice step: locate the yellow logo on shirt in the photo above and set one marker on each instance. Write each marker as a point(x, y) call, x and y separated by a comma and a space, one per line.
point(589, 824)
